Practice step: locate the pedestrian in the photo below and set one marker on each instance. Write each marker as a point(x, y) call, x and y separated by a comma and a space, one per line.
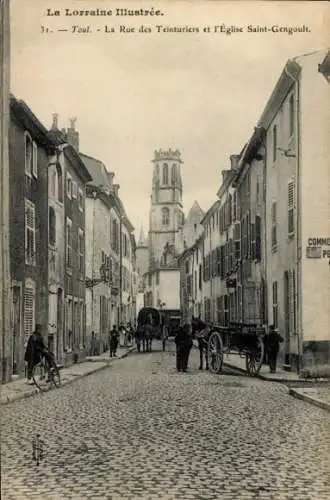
point(122, 336)
point(35, 351)
point(113, 341)
point(129, 332)
point(272, 345)
point(183, 342)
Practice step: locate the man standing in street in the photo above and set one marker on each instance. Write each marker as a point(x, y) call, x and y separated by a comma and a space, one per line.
point(184, 344)
point(272, 344)
point(113, 341)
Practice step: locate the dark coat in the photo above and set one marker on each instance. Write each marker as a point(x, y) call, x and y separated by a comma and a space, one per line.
point(272, 341)
point(114, 338)
point(183, 340)
point(34, 349)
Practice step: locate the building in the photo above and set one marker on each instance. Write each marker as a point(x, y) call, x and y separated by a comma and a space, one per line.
point(97, 244)
point(166, 221)
point(5, 300)
point(191, 263)
point(142, 266)
point(296, 119)
point(29, 150)
point(72, 298)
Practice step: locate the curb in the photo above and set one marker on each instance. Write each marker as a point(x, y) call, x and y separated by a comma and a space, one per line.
point(310, 400)
point(35, 391)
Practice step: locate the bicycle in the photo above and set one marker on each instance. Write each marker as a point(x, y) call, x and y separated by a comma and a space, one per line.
point(46, 374)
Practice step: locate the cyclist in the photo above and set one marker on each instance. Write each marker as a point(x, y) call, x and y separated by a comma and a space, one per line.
point(35, 351)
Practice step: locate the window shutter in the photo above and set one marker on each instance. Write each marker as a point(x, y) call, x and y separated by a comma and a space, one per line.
point(29, 301)
point(291, 206)
point(253, 241)
point(258, 238)
point(30, 232)
point(274, 224)
point(237, 237)
point(235, 206)
point(35, 160)
point(74, 189)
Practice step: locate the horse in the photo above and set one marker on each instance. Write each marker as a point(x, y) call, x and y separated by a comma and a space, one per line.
point(143, 336)
point(201, 331)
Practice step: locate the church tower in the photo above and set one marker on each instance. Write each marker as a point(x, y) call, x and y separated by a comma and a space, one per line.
point(165, 222)
point(166, 214)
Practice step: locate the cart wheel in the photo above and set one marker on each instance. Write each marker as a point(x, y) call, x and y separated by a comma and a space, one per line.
point(40, 376)
point(254, 358)
point(215, 352)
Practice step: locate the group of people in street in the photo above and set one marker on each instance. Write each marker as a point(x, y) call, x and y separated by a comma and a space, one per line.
point(184, 342)
point(123, 337)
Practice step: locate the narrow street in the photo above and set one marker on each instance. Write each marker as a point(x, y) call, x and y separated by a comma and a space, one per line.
point(138, 429)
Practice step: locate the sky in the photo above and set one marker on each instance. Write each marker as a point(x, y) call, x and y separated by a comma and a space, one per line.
point(133, 93)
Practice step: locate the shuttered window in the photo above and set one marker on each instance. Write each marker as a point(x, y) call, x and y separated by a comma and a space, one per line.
point(222, 252)
point(291, 206)
point(52, 226)
point(29, 309)
point(30, 233)
point(258, 238)
point(35, 160)
point(237, 238)
point(218, 254)
point(69, 243)
point(230, 209)
point(234, 206)
point(28, 154)
point(81, 250)
point(274, 226)
point(253, 241)
point(275, 304)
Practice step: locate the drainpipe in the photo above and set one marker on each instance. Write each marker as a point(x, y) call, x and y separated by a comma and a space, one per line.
point(93, 263)
point(120, 270)
point(298, 298)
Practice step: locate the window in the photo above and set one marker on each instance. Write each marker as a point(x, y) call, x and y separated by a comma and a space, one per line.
point(52, 226)
point(59, 183)
point(157, 278)
point(275, 304)
point(81, 253)
point(200, 276)
point(274, 142)
point(237, 239)
point(28, 154)
point(274, 226)
point(149, 279)
point(187, 267)
point(30, 233)
point(165, 173)
point(226, 310)
point(258, 238)
point(291, 206)
point(74, 190)
point(291, 115)
point(165, 216)
point(234, 206)
point(80, 199)
point(68, 243)
point(173, 173)
point(29, 308)
point(68, 186)
point(230, 209)
point(35, 160)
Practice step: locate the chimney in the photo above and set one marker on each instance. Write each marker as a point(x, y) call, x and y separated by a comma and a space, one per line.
point(72, 135)
point(110, 176)
point(234, 159)
point(55, 121)
point(225, 174)
point(115, 188)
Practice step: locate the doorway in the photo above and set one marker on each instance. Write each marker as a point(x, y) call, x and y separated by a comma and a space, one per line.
point(286, 319)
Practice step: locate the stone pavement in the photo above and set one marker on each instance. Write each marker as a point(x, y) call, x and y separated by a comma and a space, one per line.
point(319, 395)
point(139, 429)
point(19, 389)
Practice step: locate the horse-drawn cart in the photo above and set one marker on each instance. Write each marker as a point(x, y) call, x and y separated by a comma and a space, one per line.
point(149, 326)
point(243, 339)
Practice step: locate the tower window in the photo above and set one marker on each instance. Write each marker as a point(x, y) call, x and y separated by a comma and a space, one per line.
point(165, 216)
point(165, 173)
point(173, 174)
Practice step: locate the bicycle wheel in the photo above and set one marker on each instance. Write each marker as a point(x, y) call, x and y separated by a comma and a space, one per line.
point(40, 376)
point(54, 374)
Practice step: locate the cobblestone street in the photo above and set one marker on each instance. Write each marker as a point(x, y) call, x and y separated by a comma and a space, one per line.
point(139, 429)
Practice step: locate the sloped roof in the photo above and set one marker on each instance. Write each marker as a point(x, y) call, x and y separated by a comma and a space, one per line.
point(97, 170)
